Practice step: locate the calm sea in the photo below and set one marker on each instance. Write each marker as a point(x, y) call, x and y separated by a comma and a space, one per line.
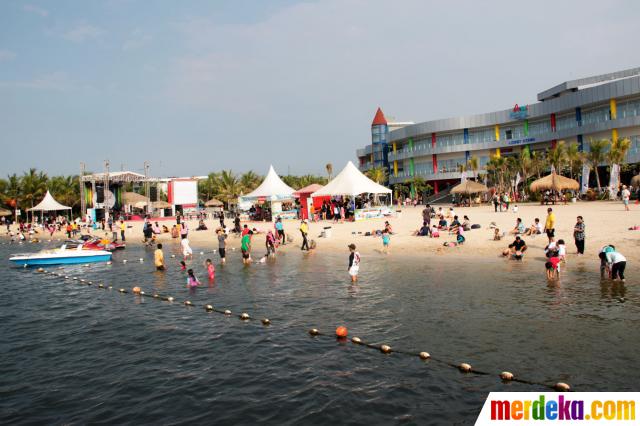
point(73, 354)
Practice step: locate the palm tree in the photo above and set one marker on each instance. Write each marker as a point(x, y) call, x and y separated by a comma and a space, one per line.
point(618, 150)
point(557, 156)
point(525, 166)
point(249, 181)
point(329, 168)
point(307, 180)
point(230, 187)
point(377, 174)
point(33, 186)
point(573, 157)
point(537, 163)
point(596, 156)
point(11, 193)
point(497, 165)
point(474, 164)
point(209, 187)
point(401, 190)
point(65, 189)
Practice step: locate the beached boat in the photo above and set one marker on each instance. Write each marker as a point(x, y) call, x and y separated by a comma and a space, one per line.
point(61, 256)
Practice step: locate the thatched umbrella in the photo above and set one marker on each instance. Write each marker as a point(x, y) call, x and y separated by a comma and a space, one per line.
point(213, 203)
point(160, 205)
point(5, 212)
point(469, 187)
point(554, 182)
point(131, 198)
point(635, 181)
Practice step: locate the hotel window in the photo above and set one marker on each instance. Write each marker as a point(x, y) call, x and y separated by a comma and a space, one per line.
point(566, 122)
point(598, 115)
point(508, 134)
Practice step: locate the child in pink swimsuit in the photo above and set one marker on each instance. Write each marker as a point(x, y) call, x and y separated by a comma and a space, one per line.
point(211, 270)
point(192, 281)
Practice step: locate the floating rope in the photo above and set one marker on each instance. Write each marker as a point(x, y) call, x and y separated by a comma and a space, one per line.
point(341, 334)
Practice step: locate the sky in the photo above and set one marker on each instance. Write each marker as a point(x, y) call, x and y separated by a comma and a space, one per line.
point(200, 86)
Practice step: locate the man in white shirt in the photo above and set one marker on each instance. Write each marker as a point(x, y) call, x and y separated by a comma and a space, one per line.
point(617, 262)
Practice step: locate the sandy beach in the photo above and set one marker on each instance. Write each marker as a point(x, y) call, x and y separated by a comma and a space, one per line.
point(606, 222)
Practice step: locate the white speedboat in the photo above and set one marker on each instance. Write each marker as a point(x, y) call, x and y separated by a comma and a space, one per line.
point(61, 256)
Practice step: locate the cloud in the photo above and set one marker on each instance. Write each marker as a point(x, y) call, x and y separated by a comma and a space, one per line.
point(138, 40)
point(56, 81)
point(6, 55)
point(30, 8)
point(82, 32)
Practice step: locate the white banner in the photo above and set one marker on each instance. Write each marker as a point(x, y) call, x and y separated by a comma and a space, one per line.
point(614, 181)
point(586, 170)
point(539, 408)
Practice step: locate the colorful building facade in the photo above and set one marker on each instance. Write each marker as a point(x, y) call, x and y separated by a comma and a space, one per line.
point(600, 107)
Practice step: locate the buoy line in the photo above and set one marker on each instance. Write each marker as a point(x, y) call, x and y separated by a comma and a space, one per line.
point(341, 333)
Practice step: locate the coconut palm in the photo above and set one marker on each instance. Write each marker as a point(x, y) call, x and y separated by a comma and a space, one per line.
point(538, 163)
point(249, 181)
point(230, 187)
point(497, 166)
point(618, 150)
point(307, 180)
point(209, 187)
point(329, 168)
point(473, 164)
point(401, 190)
point(574, 157)
point(596, 156)
point(33, 186)
point(525, 166)
point(378, 174)
point(557, 156)
point(65, 189)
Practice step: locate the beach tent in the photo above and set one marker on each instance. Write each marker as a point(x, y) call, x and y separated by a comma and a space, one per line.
point(48, 204)
point(351, 182)
point(554, 182)
point(272, 188)
point(304, 195)
point(469, 187)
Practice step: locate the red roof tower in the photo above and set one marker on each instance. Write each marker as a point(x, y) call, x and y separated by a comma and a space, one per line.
point(379, 119)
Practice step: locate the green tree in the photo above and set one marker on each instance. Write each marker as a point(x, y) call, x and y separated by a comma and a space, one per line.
point(525, 167)
point(378, 174)
point(33, 186)
point(596, 156)
point(230, 187)
point(65, 189)
point(419, 185)
point(618, 149)
point(209, 187)
point(474, 165)
point(574, 157)
point(557, 156)
point(401, 190)
point(249, 181)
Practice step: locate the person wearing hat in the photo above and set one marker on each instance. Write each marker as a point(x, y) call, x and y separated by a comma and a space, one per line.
point(354, 263)
point(626, 194)
point(304, 230)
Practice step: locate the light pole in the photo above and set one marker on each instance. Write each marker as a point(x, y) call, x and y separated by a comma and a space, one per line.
point(146, 186)
point(83, 204)
point(106, 190)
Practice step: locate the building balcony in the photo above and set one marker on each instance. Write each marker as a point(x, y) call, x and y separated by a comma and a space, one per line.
point(427, 176)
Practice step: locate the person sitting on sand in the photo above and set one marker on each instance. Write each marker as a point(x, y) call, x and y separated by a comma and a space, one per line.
point(174, 232)
point(460, 235)
point(424, 231)
point(516, 248)
point(519, 228)
point(435, 232)
point(451, 213)
point(497, 236)
point(535, 228)
point(201, 226)
point(165, 230)
point(466, 223)
point(442, 223)
point(455, 224)
point(553, 266)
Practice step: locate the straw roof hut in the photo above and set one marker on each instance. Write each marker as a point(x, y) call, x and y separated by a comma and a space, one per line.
point(213, 203)
point(469, 187)
point(5, 212)
point(131, 198)
point(160, 205)
point(554, 182)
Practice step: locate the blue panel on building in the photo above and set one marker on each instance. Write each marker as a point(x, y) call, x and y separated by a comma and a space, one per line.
point(466, 135)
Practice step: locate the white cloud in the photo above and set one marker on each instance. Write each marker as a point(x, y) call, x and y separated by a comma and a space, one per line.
point(82, 32)
point(6, 55)
point(30, 8)
point(138, 40)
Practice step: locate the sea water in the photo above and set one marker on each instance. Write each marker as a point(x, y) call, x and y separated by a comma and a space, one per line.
point(73, 353)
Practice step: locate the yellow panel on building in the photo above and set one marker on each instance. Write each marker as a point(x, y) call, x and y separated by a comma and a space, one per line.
point(613, 107)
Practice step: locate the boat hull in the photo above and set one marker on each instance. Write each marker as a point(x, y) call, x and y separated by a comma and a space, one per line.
point(69, 259)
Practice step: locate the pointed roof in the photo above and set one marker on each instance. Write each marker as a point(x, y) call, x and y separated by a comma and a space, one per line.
point(48, 203)
point(309, 189)
point(379, 119)
point(272, 188)
point(350, 181)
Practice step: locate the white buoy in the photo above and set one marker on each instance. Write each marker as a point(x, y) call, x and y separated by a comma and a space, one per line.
point(425, 355)
point(173, 255)
point(314, 332)
point(201, 253)
point(464, 367)
point(244, 316)
point(141, 260)
point(209, 308)
point(562, 387)
point(385, 349)
point(506, 375)
point(170, 299)
point(188, 303)
point(124, 261)
point(109, 263)
point(356, 340)
point(266, 321)
point(227, 312)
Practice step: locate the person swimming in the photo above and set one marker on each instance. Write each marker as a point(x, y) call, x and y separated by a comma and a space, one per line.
point(192, 281)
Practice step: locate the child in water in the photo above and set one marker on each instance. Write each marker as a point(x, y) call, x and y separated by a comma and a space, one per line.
point(385, 241)
point(354, 263)
point(553, 266)
point(211, 270)
point(183, 266)
point(192, 281)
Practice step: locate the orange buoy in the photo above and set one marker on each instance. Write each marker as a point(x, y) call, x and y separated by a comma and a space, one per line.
point(342, 331)
point(136, 290)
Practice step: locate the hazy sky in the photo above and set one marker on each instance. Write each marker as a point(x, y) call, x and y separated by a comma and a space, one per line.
point(197, 86)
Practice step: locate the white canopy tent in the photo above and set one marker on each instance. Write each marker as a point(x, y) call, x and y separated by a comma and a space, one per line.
point(272, 188)
point(351, 182)
point(48, 204)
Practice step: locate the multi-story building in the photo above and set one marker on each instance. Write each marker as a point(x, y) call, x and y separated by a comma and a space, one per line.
point(603, 106)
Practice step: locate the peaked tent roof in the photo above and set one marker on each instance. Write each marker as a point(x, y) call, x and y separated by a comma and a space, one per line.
point(48, 204)
point(350, 181)
point(379, 118)
point(272, 188)
point(309, 189)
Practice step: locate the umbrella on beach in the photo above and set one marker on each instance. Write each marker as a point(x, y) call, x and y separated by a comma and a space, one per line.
point(213, 203)
point(554, 182)
point(133, 198)
point(469, 187)
point(160, 205)
point(5, 212)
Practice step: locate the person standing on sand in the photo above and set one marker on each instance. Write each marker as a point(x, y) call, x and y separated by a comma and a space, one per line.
point(626, 195)
point(354, 263)
point(550, 224)
point(304, 230)
point(578, 235)
point(158, 258)
point(426, 215)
